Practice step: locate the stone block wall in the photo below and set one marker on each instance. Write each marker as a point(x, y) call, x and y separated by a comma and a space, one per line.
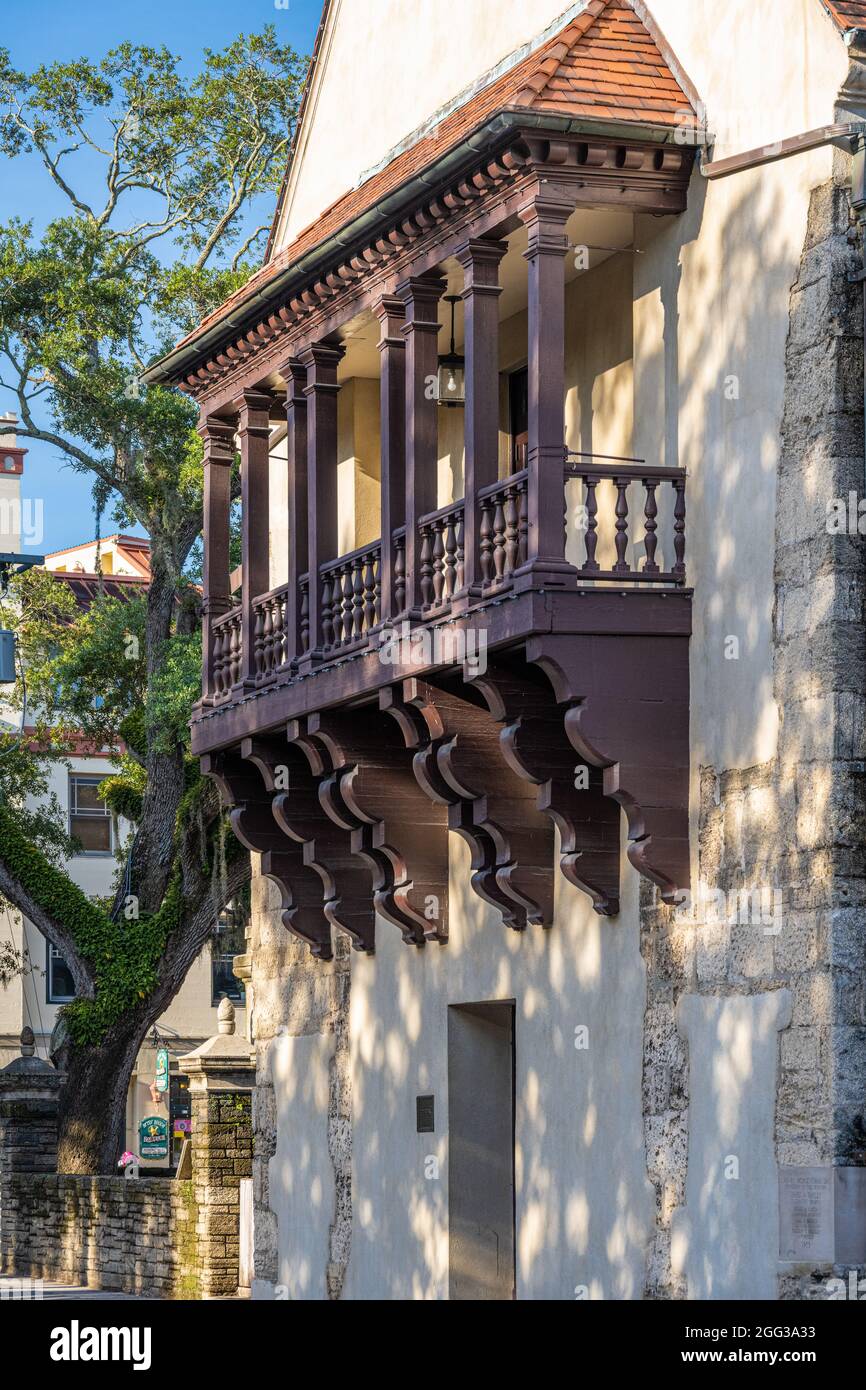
point(782, 844)
point(133, 1235)
point(222, 1155)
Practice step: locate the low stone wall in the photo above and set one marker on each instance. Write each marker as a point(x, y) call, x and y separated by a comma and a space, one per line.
point(134, 1235)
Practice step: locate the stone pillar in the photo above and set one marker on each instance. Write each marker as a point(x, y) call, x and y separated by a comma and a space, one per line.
point(29, 1096)
point(221, 1078)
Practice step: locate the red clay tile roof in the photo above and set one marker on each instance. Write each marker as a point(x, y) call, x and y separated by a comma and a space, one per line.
point(848, 14)
point(604, 65)
point(87, 588)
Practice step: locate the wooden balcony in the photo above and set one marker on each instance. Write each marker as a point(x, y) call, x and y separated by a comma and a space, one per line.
point(507, 665)
point(498, 712)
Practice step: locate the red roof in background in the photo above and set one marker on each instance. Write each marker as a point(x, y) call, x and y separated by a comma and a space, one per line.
point(604, 65)
point(848, 14)
point(86, 588)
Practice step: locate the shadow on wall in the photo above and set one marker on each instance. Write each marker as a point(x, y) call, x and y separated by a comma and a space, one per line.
point(621, 1119)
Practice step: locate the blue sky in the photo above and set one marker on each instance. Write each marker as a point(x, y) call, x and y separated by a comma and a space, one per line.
point(41, 32)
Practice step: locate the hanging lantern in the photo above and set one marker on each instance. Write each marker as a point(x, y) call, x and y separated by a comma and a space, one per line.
point(452, 368)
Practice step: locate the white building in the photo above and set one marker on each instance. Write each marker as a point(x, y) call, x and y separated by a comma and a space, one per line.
point(621, 1098)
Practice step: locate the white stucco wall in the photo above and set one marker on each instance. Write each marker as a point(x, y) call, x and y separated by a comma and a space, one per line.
point(701, 386)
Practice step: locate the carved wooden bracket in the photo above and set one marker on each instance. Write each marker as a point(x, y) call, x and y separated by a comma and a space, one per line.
point(628, 714)
point(252, 821)
point(535, 745)
point(371, 791)
point(458, 761)
point(346, 884)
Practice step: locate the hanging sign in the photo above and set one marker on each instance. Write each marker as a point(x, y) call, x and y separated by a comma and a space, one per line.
point(162, 1069)
point(153, 1137)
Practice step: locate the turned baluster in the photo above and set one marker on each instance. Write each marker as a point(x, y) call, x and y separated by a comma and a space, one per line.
point(450, 562)
point(305, 615)
point(348, 587)
point(377, 587)
point(590, 564)
point(438, 563)
point(459, 561)
point(216, 660)
point(235, 654)
point(328, 591)
point(279, 625)
point(499, 540)
point(369, 600)
point(343, 608)
point(650, 513)
point(357, 578)
point(679, 568)
point(511, 530)
point(621, 541)
point(426, 568)
point(522, 524)
point(267, 638)
point(258, 641)
point(399, 574)
point(486, 541)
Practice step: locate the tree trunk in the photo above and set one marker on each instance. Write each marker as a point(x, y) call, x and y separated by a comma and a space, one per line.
point(153, 849)
point(93, 1098)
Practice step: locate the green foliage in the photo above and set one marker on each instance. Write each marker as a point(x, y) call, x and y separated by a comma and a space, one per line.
point(124, 955)
point(123, 791)
point(174, 688)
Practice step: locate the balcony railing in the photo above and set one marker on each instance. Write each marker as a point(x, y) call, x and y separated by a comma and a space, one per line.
point(351, 604)
point(441, 556)
point(351, 599)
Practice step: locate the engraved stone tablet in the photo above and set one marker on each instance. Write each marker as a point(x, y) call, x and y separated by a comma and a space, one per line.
point(806, 1214)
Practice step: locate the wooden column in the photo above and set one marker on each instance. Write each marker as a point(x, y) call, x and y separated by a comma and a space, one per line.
point(421, 297)
point(391, 313)
point(219, 451)
point(545, 216)
point(295, 376)
point(321, 361)
point(481, 291)
point(253, 409)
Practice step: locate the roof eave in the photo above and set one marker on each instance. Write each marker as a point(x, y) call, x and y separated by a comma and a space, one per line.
point(168, 368)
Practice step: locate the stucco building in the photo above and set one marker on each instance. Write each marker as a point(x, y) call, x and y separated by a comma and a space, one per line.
point(545, 687)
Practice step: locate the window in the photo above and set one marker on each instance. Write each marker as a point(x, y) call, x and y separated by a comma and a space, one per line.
point(58, 977)
point(229, 940)
point(89, 818)
point(224, 983)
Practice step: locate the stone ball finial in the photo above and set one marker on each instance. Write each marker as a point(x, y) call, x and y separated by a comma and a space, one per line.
point(226, 1016)
point(28, 1042)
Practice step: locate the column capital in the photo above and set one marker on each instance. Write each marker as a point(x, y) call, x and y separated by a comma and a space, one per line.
point(391, 313)
point(544, 214)
point(421, 294)
point(480, 261)
point(294, 374)
point(218, 436)
point(321, 357)
point(254, 412)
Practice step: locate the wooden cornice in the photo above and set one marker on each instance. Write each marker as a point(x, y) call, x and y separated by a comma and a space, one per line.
point(590, 171)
